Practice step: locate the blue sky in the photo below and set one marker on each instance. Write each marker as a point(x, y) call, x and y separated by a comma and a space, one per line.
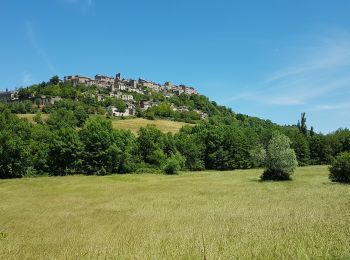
point(271, 59)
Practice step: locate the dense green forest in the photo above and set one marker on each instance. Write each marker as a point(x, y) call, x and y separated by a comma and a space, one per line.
point(71, 142)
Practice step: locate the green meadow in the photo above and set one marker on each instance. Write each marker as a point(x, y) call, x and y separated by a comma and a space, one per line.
point(200, 215)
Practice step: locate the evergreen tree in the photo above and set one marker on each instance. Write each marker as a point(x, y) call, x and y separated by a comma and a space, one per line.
point(302, 124)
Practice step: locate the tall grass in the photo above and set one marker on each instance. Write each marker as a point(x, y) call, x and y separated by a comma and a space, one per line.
point(207, 215)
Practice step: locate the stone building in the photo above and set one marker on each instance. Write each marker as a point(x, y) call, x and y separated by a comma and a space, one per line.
point(102, 81)
point(8, 96)
point(121, 86)
point(187, 90)
point(45, 100)
point(149, 84)
point(76, 80)
point(144, 105)
point(99, 81)
point(129, 111)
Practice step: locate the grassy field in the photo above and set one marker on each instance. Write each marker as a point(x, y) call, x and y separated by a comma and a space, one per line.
point(132, 124)
point(206, 215)
point(135, 124)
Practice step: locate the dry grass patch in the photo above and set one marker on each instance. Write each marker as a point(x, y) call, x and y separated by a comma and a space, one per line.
point(133, 124)
point(136, 123)
point(30, 117)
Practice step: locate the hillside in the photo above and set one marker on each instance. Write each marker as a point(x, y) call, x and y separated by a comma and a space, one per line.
point(220, 139)
point(114, 96)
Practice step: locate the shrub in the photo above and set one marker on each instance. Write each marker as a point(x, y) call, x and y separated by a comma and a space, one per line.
point(101, 172)
point(340, 168)
point(38, 118)
point(173, 164)
point(280, 159)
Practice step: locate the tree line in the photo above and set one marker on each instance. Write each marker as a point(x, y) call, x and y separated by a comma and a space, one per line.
point(72, 142)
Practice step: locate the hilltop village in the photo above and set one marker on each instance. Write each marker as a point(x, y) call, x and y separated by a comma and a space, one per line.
point(137, 95)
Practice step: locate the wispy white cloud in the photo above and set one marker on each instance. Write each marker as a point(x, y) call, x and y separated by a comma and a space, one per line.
point(311, 89)
point(328, 107)
point(335, 60)
point(38, 48)
point(321, 69)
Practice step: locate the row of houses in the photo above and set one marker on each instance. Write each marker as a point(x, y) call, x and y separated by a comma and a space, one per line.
point(99, 81)
point(144, 105)
point(139, 86)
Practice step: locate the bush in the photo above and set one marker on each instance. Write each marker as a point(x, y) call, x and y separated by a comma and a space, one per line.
point(173, 164)
point(38, 118)
point(340, 168)
point(280, 159)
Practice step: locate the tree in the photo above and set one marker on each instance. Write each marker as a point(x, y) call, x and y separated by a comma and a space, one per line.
point(14, 154)
point(190, 145)
point(228, 147)
point(151, 144)
point(101, 151)
point(300, 145)
point(312, 131)
point(55, 80)
point(340, 168)
point(62, 118)
point(124, 156)
point(80, 115)
point(320, 149)
point(65, 152)
point(40, 140)
point(24, 93)
point(280, 159)
point(258, 155)
point(302, 124)
point(340, 141)
point(117, 103)
point(14, 151)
